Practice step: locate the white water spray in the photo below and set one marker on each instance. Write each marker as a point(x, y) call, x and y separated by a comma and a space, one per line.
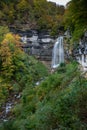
point(58, 53)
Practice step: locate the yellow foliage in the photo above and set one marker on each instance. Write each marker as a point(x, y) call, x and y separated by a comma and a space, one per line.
point(17, 37)
point(9, 37)
point(9, 50)
point(10, 88)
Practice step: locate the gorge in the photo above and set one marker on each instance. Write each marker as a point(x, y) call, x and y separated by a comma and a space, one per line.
point(43, 70)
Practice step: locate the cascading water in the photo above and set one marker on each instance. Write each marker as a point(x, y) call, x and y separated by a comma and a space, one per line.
point(81, 57)
point(58, 53)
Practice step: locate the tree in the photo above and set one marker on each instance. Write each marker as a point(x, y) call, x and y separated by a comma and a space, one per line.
point(3, 31)
point(76, 17)
point(10, 48)
point(6, 60)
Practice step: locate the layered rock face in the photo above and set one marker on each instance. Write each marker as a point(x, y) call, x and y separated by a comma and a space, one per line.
point(37, 44)
point(80, 52)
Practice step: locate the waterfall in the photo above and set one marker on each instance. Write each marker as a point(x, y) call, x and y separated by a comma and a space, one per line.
point(24, 39)
point(81, 55)
point(58, 53)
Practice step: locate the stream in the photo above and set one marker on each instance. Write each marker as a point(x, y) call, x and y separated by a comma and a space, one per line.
point(5, 113)
point(12, 100)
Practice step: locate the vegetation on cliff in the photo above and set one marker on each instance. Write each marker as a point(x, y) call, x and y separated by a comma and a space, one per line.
point(76, 18)
point(60, 101)
point(36, 14)
point(17, 69)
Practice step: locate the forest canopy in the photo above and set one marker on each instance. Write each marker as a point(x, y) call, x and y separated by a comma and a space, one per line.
point(76, 17)
point(36, 14)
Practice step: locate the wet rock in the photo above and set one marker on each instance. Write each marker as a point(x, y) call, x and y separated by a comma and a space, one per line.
point(5, 113)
